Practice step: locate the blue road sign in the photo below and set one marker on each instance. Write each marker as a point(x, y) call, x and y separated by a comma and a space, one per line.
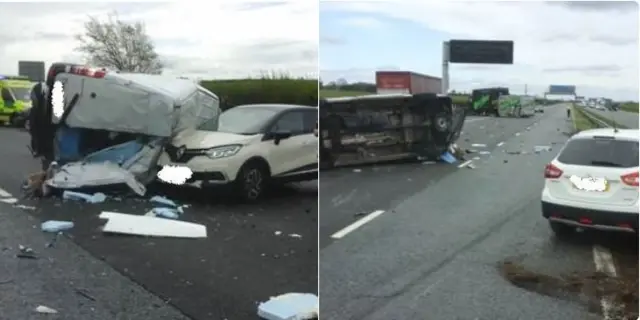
point(561, 89)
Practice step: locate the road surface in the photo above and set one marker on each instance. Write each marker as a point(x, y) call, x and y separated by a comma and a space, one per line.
point(627, 119)
point(424, 241)
point(241, 263)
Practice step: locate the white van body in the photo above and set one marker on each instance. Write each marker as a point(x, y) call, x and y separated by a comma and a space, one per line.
point(154, 105)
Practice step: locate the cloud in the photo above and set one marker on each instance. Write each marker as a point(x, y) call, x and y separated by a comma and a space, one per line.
point(221, 39)
point(362, 22)
point(569, 43)
point(330, 40)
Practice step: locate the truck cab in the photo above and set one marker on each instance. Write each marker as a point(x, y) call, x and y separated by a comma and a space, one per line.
point(15, 92)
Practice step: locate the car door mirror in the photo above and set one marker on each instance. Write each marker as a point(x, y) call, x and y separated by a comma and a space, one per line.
point(279, 135)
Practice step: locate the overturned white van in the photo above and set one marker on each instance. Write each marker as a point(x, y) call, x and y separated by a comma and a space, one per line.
point(112, 127)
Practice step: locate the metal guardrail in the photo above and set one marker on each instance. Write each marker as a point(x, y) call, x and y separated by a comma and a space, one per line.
point(589, 115)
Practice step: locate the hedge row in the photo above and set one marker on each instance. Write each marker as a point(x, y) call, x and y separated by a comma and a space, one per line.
point(248, 91)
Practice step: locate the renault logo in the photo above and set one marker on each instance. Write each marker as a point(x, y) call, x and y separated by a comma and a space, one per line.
point(180, 152)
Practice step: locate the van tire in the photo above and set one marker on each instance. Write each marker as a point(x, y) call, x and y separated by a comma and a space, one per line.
point(252, 181)
point(442, 122)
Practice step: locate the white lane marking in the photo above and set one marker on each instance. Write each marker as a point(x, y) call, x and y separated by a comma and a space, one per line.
point(4, 193)
point(500, 144)
point(464, 164)
point(350, 228)
point(604, 263)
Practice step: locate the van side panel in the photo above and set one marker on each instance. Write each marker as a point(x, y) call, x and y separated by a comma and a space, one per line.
point(115, 104)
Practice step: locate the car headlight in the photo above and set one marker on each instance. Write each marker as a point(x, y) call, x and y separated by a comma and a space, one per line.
point(222, 152)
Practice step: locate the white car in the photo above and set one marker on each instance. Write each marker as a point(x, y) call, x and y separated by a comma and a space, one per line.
point(593, 183)
point(249, 146)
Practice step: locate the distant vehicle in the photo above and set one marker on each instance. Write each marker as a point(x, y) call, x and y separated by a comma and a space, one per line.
point(593, 183)
point(485, 101)
point(379, 128)
point(406, 82)
point(16, 98)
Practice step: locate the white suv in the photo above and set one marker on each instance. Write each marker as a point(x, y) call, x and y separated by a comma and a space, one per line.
point(249, 146)
point(593, 183)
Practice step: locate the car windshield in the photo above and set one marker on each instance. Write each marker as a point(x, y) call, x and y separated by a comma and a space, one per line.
point(21, 93)
point(601, 153)
point(240, 120)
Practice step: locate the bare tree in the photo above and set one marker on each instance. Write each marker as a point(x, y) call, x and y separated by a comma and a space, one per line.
point(120, 45)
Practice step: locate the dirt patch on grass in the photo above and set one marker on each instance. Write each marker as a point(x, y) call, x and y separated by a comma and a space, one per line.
point(586, 288)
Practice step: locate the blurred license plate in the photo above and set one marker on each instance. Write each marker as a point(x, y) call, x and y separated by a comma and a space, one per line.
point(590, 184)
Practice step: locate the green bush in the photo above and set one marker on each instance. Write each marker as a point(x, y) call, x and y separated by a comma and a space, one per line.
point(264, 90)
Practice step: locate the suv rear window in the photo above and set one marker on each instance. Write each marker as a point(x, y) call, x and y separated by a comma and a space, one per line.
point(600, 152)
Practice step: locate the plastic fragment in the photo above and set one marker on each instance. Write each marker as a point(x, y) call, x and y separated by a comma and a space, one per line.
point(45, 309)
point(479, 145)
point(163, 202)
point(168, 213)
point(97, 197)
point(448, 157)
point(290, 306)
point(56, 226)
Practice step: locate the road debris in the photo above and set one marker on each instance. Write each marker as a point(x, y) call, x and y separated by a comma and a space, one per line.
point(479, 145)
point(295, 235)
point(168, 213)
point(26, 253)
point(448, 158)
point(428, 162)
point(84, 293)
point(143, 225)
point(290, 306)
point(56, 226)
point(45, 309)
point(538, 149)
point(277, 233)
point(22, 206)
point(97, 197)
point(357, 170)
point(484, 152)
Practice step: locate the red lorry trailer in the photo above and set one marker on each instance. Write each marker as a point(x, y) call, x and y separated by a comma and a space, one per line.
point(391, 82)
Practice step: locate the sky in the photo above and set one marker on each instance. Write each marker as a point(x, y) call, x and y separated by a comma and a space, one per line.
point(214, 40)
point(592, 45)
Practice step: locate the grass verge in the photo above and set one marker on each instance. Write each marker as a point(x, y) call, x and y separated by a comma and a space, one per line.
point(328, 93)
point(581, 121)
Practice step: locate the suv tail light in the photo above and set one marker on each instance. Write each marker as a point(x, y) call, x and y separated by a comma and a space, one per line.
point(630, 179)
point(552, 172)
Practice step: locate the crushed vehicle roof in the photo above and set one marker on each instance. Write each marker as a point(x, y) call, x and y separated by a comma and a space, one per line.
point(177, 88)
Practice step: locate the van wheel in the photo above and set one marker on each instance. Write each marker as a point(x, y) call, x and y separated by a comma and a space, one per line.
point(561, 230)
point(442, 122)
point(252, 181)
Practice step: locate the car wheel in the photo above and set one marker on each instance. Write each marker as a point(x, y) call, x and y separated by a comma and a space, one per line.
point(442, 122)
point(251, 181)
point(561, 230)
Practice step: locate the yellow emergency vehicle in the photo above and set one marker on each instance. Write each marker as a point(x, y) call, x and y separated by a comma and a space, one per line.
point(15, 94)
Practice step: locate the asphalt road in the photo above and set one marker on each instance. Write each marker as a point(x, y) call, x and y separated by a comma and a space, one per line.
point(627, 119)
point(225, 276)
point(436, 250)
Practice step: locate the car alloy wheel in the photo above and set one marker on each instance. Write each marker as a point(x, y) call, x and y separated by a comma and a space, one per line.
point(253, 183)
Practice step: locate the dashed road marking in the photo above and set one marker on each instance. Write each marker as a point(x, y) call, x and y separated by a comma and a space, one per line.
point(464, 164)
point(604, 263)
point(352, 227)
